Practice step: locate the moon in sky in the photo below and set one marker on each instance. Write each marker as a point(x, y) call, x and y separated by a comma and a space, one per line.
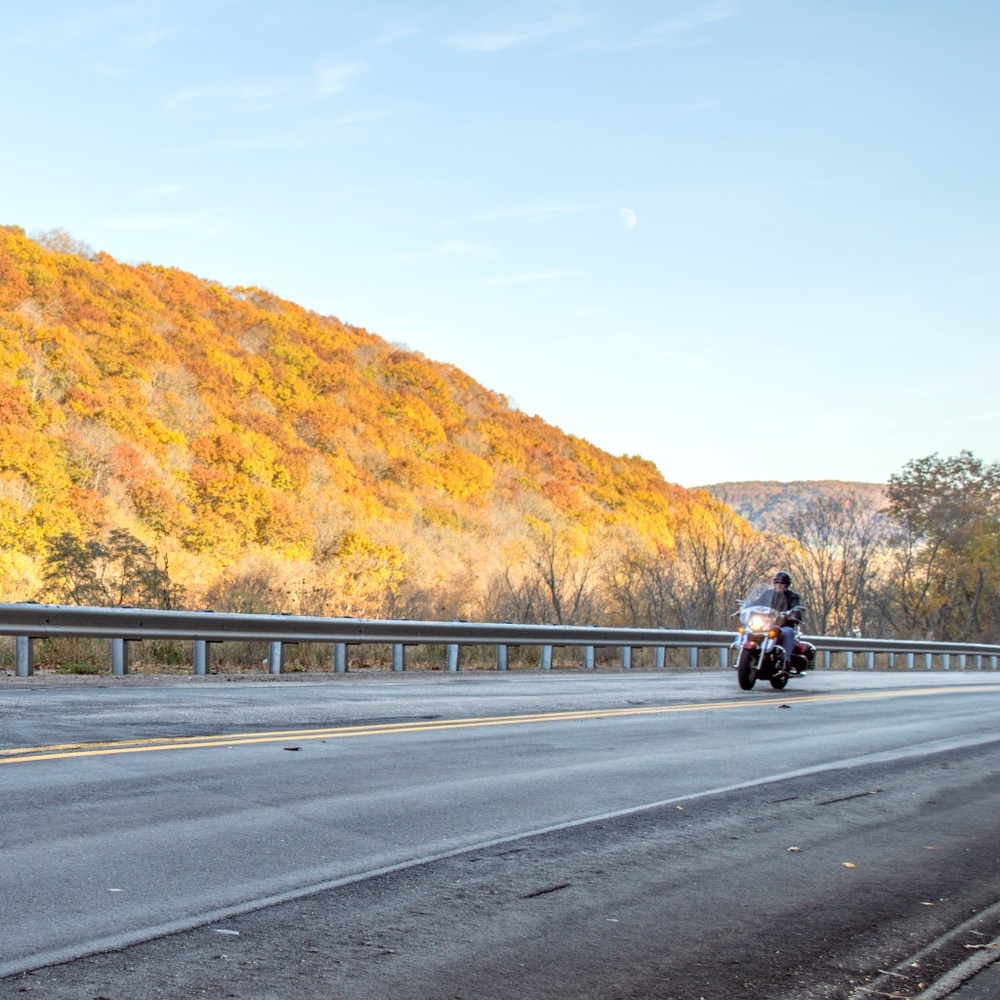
point(629, 218)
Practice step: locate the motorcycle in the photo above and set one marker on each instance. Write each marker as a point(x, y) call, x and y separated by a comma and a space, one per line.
point(758, 643)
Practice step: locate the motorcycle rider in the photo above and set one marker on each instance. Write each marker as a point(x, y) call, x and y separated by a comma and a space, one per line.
point(782, 598)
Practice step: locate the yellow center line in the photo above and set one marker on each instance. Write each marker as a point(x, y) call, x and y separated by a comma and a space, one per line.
point(20, 755)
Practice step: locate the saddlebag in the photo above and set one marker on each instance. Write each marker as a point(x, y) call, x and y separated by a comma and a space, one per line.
point(806, 650)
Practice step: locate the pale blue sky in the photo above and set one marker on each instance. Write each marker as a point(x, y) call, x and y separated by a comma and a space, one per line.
point(651, 223)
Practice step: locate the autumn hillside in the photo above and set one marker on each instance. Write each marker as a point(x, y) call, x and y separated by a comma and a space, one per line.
point(268, 458)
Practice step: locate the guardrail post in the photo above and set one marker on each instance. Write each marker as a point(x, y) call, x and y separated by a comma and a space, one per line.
point(626, 657)
point(661, 657)
point(201, 658)
point(871, 661)
point(24, 656)
point(693, 657)
point(929, 661)
point(849, 659)
point(588, 657)
point(546, 657)
point(961, 661)
point(453, 657)
point(340, 657)
point(993, 662)
point(827, 659)
point(501, 656)
point(275, 657)
point(398, 657)
point(723, 658)
point(891, 658)
point(946, 661)
point(979, 661)
point(909, 661)
point(119, 657)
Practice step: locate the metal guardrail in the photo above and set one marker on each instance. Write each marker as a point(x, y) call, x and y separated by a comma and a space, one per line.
point(121, 626)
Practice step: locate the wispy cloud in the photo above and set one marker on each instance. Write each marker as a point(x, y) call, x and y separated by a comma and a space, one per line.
point(714, 12)
point(144, 38)
point(269, 93)
point(113, 39)
point(335, 76)
point(397, 30)
point(217, 97)
point(534, 277)
point(98, 22)
point(458, 249)
point(678, 31)
point(498, 39)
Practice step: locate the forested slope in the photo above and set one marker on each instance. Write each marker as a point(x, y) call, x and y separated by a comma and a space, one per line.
point(266, 457)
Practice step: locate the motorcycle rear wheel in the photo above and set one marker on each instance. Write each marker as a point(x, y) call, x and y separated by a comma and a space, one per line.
point(779, 681)
point(746, 668)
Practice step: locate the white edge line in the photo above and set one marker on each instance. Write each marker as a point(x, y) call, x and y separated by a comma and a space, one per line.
point(948, 983)
point(962, 973)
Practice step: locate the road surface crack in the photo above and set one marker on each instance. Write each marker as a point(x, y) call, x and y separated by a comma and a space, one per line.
point(548, 889)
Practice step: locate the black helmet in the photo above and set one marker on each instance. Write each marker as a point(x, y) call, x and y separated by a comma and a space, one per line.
point(783, 577)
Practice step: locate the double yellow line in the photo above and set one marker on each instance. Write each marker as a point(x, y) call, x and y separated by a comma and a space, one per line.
point(22, 755)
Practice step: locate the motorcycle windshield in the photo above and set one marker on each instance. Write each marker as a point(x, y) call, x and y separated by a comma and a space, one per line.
point(759, 597)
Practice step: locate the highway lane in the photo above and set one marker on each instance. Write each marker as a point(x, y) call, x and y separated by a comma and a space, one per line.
point(107, 848)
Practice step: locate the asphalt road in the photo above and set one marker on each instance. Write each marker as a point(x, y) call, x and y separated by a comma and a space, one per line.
point(433, 836)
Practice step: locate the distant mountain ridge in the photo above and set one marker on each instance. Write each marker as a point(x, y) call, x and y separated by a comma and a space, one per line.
point(766, 505)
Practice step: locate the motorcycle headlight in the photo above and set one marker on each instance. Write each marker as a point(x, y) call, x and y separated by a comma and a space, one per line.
point(758, 623)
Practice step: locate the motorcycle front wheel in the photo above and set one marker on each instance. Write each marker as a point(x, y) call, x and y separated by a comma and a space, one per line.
point(746, 668)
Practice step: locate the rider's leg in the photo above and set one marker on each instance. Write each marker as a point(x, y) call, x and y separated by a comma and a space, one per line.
point(788, 644)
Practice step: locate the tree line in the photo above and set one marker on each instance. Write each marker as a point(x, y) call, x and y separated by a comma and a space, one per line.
point(925, 565)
